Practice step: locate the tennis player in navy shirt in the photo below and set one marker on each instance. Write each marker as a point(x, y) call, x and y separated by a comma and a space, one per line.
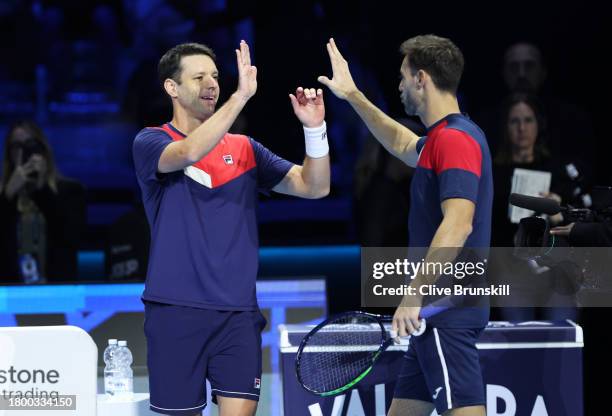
point(199, 186)
point(450, 215)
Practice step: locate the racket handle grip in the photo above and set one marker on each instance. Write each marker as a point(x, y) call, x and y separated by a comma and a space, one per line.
point(421, 329)
point(393, 334)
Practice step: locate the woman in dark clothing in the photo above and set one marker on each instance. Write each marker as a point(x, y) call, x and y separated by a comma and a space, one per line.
point(42, 214)
point(524, 147)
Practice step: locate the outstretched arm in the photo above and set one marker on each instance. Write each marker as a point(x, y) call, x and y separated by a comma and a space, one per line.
point(312, 179)
point(396, 138)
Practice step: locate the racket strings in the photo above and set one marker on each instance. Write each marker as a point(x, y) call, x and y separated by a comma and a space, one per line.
point(340, 352)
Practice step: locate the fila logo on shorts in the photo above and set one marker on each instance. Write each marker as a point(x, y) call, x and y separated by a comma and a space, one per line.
point(257, 383)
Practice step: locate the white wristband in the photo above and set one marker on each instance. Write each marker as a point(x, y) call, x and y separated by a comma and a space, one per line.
point(316, 141)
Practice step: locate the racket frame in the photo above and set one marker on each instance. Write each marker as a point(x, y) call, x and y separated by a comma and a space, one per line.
point(386, 341)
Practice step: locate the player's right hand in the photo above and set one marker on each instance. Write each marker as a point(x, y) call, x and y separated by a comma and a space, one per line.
point(247, 73)
point(406, 320)
point(341, 84)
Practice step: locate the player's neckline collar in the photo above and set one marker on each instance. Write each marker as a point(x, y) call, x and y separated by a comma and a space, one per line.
point(443, 119)
point(175, 129)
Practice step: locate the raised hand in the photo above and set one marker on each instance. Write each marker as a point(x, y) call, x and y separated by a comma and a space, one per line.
point(308, 106)
point(21, 173)
point(247, 74)
point(342, 83)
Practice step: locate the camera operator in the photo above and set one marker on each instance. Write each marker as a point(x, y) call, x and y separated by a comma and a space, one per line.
point(42, 213)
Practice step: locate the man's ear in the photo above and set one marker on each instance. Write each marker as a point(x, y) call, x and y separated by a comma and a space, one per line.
point(421, 78)
point(170, 87)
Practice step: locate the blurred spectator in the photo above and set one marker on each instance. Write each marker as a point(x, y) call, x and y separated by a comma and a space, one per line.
point(523, 146)
point(382, 194)
point(570, 127)
point(42, 213)
point(126, 254)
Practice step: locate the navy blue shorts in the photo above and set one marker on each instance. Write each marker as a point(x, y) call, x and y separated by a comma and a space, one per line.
point(442, 367)
point(186, 346)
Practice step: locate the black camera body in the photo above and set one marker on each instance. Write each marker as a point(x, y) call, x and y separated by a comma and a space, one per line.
point(544, 251)
point(534, 232)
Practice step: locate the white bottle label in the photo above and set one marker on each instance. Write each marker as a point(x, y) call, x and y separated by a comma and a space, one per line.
point(109, 385)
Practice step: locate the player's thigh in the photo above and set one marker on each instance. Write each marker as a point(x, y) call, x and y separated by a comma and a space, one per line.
point(410, 407)
point(466, 411)
point(177, 337)
point(451, 367)
point(234, 368)
point(232, 406)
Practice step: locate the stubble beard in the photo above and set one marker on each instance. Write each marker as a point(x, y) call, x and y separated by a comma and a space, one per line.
point(410, 106)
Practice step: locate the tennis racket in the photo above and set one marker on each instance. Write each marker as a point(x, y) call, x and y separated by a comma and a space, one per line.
point(340, 351)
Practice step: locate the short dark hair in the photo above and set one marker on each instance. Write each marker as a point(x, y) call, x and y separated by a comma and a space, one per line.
point(437, 56)
point(170, 64)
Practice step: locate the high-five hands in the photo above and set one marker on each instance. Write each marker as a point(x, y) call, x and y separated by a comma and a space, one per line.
point(308, 106)
point(247, 73)
point(341, 84)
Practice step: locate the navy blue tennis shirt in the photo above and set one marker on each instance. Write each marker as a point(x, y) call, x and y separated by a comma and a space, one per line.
point(204, 240)
point(454, 162)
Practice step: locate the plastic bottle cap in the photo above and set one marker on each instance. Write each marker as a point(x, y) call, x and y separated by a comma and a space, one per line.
point(112, 341)
point(122, 343)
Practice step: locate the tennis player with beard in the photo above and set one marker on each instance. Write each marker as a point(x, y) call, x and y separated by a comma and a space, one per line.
point(451, 199)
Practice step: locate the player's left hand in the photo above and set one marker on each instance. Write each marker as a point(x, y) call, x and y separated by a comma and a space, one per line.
point(406, 320)
point(308, 106)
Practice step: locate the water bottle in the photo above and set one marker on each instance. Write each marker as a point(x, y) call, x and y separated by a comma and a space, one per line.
point(110, 368)
point(124, 379)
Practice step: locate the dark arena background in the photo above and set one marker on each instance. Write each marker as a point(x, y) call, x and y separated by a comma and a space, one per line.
point(85, 73)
